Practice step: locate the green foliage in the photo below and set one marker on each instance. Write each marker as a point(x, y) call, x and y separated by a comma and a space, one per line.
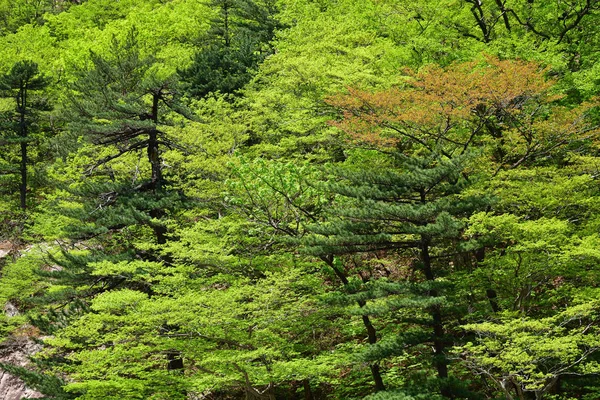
point(237, 41)
point(50, 386)
point(19, 279)
point(332, 199)
point(22, 83)
point(530, 355)
point(222, 332)
point(220, 69)
point(16, 13)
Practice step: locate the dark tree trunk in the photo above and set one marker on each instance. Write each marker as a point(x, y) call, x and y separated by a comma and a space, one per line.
point(154, 159)
point(226, 11)
point(21, 107)
point(479, 16)
point(504, 13)
point(439, 362)
point(439, 355)
point(23, 186)
point(308, 395)
point(156, 185)
point(371, 331)
point(153, 152)
point(490, 293)
point(175, 362)
point(155, 163)
point(372, 337)
point(436, 315)
point(160, 231)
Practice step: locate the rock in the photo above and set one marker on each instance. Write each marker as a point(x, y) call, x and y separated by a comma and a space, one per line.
point(17, 352)
point(17, 349)
point(11, 388)
point(11, 310)
point(5, 249)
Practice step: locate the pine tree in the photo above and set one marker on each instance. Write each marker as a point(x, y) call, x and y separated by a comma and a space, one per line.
point(122, 103)
point(413, 210)
point(237, 41)
point(122, 107)
point(118, 102)
point(24, 82)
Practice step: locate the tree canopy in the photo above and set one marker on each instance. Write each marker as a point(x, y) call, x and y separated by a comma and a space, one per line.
point(332, 199)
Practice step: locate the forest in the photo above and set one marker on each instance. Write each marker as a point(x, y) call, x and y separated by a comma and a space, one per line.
point(301, 199)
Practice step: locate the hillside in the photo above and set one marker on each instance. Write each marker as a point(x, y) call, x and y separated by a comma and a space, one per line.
point(299, 199)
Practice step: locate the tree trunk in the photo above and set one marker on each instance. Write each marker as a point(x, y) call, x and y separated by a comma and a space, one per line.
point(154, 159)
point(153, 152)
point(440, 361)
point(226, 36)
point(156, 185)
point(308, 395)
point(23, 133)
point(160, 231)
point(436, 315)
point(155, 163)
point(175, 362)
point(23, 186)
point(371, 331)
point(491, 294)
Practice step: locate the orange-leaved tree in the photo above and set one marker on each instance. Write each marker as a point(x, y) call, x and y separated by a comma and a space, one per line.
point(508, 107)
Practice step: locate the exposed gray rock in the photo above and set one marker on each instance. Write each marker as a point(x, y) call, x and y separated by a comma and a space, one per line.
point(16, 352)
point(11, 310)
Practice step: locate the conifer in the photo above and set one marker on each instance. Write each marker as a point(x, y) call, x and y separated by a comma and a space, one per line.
point(24, 82)
point(414, 210)
point(237, 41)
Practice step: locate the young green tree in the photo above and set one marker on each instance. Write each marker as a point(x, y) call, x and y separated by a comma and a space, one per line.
point(526, 357)
point(280, 198)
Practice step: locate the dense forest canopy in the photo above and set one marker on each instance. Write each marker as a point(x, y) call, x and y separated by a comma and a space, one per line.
point(301, 199)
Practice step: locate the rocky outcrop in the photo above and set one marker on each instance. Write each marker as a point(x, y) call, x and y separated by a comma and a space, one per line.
point(16, 351)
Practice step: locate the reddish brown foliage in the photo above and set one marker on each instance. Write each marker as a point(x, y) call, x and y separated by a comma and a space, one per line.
point(505, 105)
